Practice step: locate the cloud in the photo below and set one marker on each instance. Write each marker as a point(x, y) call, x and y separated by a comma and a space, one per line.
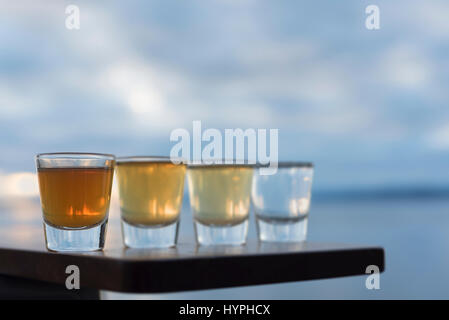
point(406, 67)
point(22, 184)
point(430, 17)
point(439, 138)
point(136, 86)
point(12, 103)
point(133, 73)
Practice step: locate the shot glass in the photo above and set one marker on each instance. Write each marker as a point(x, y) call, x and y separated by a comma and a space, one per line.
point(75, 190)
point(220, 197)
point(151, 191)
point(282, 201)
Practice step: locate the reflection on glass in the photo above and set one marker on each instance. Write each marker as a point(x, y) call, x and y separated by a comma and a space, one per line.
point(75, 197)
point(75, 190)
point(282, 202)
point(151, 192)
point(220, 201)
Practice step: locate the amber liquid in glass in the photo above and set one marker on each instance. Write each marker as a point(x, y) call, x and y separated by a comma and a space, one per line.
point(150, 192)
point(220, 195)
point(75, 197)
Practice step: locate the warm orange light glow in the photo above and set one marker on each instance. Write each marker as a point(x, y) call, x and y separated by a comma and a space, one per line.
point(75, 197)
point(150, 192)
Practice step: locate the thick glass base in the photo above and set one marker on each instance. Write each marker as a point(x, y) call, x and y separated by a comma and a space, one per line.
point(282, 230)
point(150, 237)
point(88, 239)
point(221, 235)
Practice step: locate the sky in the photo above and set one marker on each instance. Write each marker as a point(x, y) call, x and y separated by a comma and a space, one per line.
point(368, 107)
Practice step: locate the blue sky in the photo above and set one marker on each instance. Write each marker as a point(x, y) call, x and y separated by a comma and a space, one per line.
point(369, 108)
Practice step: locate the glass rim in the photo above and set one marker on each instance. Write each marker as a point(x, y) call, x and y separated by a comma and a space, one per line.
point(150, 159)
point(195, 165)
point(279, 164)
point(289, 164)
point(73, 155)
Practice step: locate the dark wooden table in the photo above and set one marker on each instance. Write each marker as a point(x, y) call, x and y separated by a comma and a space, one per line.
point(28, 270)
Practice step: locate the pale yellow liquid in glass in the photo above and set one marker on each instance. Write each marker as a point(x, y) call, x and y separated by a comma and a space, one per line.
point(220, 195)
point(150, 192)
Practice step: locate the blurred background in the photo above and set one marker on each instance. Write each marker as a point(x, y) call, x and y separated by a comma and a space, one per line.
point(368, 107)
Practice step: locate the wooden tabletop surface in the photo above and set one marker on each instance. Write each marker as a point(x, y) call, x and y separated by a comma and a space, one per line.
point(186, 267)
